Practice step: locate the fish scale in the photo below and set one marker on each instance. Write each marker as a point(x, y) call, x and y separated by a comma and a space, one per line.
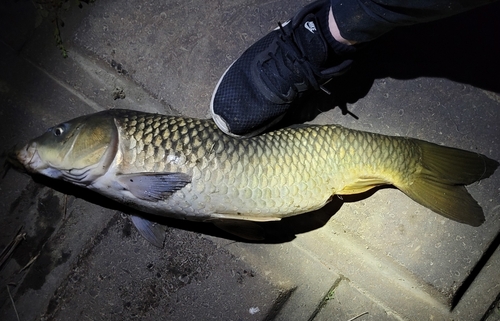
point(283, 173)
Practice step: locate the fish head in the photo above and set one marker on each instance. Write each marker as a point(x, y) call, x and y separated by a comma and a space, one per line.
point(77, 151)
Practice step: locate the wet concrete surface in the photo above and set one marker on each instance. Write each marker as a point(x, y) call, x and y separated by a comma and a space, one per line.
point(378, 252)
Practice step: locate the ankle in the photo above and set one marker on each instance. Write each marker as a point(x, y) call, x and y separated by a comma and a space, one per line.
point(334, 29)
point(330, 31)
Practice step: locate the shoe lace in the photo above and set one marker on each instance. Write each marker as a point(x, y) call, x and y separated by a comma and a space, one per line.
point(289, 63)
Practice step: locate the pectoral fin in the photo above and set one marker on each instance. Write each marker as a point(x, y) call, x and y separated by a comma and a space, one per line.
point(152, 232)
point(153, 186)
point(245, 229)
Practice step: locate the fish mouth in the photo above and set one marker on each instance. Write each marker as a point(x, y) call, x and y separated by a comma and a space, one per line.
point(25, 158)
point(11, 160)
point(19, 159)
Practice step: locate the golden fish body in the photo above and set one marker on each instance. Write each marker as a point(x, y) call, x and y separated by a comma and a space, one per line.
point(279, 174)
point(187, 168)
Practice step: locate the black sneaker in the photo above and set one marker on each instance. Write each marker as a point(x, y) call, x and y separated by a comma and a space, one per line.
point(259, 87)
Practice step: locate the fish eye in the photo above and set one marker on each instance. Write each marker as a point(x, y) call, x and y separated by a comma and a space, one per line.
point(58, 131)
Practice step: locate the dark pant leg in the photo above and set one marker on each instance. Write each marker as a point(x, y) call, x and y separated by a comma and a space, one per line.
point(365, 20)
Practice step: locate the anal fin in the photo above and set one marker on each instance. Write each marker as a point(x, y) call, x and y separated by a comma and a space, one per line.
point(361, 185)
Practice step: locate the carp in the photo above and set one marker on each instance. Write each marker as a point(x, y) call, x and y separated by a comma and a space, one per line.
point(187, 168)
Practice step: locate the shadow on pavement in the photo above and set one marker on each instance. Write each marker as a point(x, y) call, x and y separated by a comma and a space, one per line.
point(462, 48)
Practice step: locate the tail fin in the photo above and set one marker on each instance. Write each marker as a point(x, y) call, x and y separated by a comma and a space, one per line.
point(440, 185)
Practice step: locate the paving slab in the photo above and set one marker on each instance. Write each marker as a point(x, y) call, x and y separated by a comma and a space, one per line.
point(191, 278)
point(308, 279)
point(379, 252)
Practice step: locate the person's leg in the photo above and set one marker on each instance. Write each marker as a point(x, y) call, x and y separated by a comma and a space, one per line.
point(365, 20)
point(335, 31)
point(315, 46)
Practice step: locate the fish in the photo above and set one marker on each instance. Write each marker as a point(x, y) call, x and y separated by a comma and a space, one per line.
point(186, 168)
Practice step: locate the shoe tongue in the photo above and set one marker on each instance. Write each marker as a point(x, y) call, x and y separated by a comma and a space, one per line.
point(311, 43)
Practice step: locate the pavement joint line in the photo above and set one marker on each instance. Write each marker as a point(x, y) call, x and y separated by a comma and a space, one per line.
point(484, 283)
point(96, 72)
point(343, 278)
point(326, 298)
point(491, 309)
point(476, 270)
point(279, 303)
point(92, 104)
point(400, 278)
point(380, 303)
point(99, 71)
point(291, 279)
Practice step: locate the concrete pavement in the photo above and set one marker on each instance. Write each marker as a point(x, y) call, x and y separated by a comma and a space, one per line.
point(379, 253)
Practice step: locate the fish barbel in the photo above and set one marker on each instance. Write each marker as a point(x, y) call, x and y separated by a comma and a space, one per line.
point(187, 168)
